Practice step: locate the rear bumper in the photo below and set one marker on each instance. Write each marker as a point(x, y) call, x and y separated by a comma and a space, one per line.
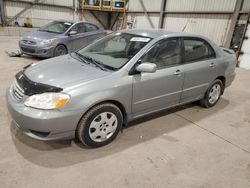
point(42, 124)
point(38, 51)
point(230, 78)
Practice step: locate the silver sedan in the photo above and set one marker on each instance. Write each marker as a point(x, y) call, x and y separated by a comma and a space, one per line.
point(90, 94)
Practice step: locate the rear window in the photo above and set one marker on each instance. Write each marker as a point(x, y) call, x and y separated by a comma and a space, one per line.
point(91, 27)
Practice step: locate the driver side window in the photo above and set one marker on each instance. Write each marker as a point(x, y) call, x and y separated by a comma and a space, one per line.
point(165, 53)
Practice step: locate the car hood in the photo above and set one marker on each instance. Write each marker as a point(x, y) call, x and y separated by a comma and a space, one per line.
point(39, 35)
point(63, 71)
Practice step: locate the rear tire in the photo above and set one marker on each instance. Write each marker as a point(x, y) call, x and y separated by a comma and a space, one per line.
point(213, 94)
point(100, 125)
point(60, 50)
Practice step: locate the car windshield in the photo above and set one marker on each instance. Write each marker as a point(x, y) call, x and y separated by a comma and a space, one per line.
point(115, 50)
point(56, 27)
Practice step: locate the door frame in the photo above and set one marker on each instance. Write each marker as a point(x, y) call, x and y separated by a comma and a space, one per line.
point(213, 57)
point(133, 71)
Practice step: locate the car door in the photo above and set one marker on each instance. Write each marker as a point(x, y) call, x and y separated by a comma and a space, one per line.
point(162, 89)
point(78, 40)
point(199, 68)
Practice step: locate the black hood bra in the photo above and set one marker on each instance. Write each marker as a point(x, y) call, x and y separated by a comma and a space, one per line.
point(30, 87)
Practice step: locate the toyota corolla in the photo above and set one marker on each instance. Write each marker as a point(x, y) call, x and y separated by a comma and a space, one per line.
point(90, 94)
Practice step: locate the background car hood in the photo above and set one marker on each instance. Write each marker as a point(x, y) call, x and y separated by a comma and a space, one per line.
point(39, 35)
point(63, 71)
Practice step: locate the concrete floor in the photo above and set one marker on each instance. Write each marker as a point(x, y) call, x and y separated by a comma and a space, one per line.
point(187, 146)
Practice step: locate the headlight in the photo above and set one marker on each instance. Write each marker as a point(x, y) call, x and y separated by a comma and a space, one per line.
point(47, 101)
point(47, 42)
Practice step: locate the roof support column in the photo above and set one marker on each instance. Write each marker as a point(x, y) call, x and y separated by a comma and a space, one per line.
point(146, 14)
point(234, 19)
point(2, 12)
point(161, 19)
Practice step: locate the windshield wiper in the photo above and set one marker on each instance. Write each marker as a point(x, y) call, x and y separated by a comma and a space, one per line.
point(96, 63)
point(43, 30)
point(81, 58)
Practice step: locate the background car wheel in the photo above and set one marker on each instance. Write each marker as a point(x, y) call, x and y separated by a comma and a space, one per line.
point(213, 94)
point(100, 125)
point(60, 50)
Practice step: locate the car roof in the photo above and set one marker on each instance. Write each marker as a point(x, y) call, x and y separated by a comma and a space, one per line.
point(152, 33)
point(62, 20)
point(156, 33)
point(74, 21)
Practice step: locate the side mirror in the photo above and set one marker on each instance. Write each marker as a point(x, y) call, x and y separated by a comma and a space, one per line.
point(146, 67)
point(72, 33)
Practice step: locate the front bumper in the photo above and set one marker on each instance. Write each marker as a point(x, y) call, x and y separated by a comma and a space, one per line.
point(42, 124)
point(35, 50)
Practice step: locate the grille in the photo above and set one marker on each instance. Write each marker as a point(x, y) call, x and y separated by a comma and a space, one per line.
point(28, 50)
point(29, 42)
point(17, 91)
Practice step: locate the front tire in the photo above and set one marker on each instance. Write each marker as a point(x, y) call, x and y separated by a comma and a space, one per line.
point(213, 94)
point(100, 125)
point(60, 50)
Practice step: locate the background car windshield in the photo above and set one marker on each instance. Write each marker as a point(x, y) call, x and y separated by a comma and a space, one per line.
point(115, 50)
point(56, 27)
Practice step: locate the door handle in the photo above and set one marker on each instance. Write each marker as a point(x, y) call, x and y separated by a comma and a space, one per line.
point(178, 72)
point(212, 65)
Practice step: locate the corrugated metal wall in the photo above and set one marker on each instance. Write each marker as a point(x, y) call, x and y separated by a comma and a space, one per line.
point(214, 26)
point(141, 20)
point(39, 15)
point(200, 5)
point(68, 3)
point(87, 16)
point(151, 5)
point(246, 5)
